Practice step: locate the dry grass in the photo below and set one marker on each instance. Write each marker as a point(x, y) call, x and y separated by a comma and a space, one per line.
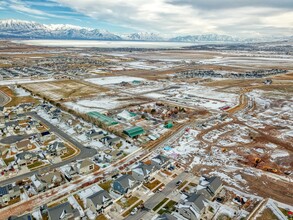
point(101, 217)
point(16, 100)
point(152, 185)
point(65, 90)
point(19, 100)
point(129, 202)
point(267, 215)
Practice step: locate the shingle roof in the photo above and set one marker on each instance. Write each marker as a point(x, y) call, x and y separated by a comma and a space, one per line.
point(98, 197)
point(3, 190)
point(23, 217)
point(166, 216)
point(59, 210)
point(214, 183)
point(197, 199)
point(125, 180)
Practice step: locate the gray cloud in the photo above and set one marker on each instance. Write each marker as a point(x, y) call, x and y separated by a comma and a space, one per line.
point(228, 4)
point(180, 17)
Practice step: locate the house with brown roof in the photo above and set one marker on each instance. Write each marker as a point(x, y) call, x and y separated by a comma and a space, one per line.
point(24, 145)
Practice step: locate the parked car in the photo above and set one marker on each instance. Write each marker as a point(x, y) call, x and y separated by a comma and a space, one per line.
point(179, 182)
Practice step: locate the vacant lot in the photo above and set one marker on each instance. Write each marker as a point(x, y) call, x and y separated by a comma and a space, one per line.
point(64, 90)
point(16, 100)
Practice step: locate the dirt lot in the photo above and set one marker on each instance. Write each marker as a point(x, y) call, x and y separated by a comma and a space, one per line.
point(65, 90)
point(16, 100)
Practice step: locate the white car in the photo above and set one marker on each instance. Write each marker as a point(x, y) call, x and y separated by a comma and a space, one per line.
point(134, 211)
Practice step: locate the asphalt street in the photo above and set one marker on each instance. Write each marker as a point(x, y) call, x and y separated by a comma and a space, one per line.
point(4, 99)
point(158, 197)
point(84, 152)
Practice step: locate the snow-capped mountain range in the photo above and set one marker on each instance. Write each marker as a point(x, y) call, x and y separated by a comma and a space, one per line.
point(32, 30)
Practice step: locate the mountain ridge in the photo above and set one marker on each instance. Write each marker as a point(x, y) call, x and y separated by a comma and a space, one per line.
point(12, 28)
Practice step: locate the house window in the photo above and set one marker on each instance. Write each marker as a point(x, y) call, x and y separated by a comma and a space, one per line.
point(91, 167)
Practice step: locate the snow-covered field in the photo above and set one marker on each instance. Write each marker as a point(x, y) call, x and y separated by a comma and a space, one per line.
point(113, 80)
point(22, 81)
point(104, 44)
point(99, 104)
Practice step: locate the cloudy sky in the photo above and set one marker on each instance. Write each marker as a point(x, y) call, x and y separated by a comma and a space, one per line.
point(243, 18)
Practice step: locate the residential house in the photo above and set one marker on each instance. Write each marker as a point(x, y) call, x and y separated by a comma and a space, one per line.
point(110, 141)
point(63, 211)
point(7, 193)
point(57, 149)
point(12, 124)
point(68, 171)
point(160, 161)
point(166, 216)
point(95, 135)
point(114, 154)
point(192, 206)
point(52, 179)
point(23, 217)
point(25, 158)
point(123, 184)
point(3, 150)
point(47, 181)
point(85, 166)
point(24, 145)
point(24, 107)
point(45, 136)
point(142, 172)
point(209, 187)
point(98, 201)
point(126, 116)
point(38, 183)
point(103, 158)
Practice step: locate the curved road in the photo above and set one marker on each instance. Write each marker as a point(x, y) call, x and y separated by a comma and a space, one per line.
point(84, 152)
point(4, 99)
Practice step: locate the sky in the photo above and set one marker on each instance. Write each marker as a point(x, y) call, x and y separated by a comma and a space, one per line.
point(242, 18)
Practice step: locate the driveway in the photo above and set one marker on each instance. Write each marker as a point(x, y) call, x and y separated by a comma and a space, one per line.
point(84, 152)
point(158, 197)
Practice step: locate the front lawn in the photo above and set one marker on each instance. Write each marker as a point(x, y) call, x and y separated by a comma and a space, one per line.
point(168, 208)
point(35, 165)
point(106, 185)
point(129, 202)
point(152, 184)
point(160, 204)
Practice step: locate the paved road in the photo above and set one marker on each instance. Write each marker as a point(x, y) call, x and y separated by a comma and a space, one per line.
point(4, 99)
point(158, 197)
point(84, 152)
point(15, 138)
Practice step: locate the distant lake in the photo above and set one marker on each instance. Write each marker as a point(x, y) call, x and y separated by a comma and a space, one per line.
point(107, 44)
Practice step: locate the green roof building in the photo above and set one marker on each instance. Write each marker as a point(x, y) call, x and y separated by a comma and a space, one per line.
point(169, 125)
point(103, 118)
point(136, 82)
point(134, 131)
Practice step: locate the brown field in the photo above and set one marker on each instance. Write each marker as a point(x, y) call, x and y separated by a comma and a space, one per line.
point(64, 90)
point(16, 100)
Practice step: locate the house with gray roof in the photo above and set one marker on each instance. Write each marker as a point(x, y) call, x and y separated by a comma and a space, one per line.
point(63, 211)
point(141, 173)
point(123, 184)
point(192, 206)
point(95, 135)
point(47, 181)
point(25, 158)
point(57, 149)
point(85, 166)
point(7, 193)
point(159, 161)
point(166, 216)
point(98, 201)
point(23, 217)
point(209, 187)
